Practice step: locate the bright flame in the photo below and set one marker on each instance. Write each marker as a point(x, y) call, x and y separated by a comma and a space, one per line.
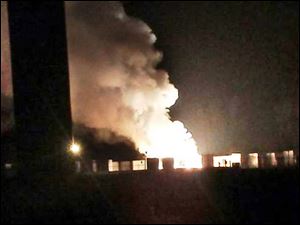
point(172, 140)
point(75, 148)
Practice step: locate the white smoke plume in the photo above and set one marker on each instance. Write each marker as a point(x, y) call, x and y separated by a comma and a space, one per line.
point(114, 80)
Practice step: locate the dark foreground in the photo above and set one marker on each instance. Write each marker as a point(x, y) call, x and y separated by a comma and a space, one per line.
point(209, 196)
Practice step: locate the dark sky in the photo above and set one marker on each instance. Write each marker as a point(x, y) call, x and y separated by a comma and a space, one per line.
point(236, 67)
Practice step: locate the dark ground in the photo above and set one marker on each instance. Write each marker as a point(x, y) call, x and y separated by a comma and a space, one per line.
point(209, 196)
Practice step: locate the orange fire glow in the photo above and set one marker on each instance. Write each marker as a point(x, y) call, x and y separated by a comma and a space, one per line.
point(173, 141)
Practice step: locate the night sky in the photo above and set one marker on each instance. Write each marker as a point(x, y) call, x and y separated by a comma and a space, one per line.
point(236, 67)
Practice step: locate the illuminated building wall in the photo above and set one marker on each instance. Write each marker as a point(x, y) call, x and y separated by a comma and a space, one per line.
point(94, 166)
point(289, 159)
point(271, 159)
point(226, 160)
point(139, 165)
point(113, 166)
point(253, 160)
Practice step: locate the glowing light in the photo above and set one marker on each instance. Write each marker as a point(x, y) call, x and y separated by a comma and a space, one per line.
point(226, 160)
point(113, 166)
point(75, 148)
point(288, 157)
point(222, 161)
point(139, 165)
point(8, 165)
point(271, 159)
point(172, 140)
point(236, 158)
point(253, 160)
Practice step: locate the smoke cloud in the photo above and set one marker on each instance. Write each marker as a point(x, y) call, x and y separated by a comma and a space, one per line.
point(115, 83)
point(116, 87)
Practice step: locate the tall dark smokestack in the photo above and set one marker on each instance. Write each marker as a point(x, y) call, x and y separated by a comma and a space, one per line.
point(40, 83)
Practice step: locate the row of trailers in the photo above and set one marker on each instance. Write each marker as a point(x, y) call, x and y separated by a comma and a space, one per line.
point(150, 164)
point(288, 158)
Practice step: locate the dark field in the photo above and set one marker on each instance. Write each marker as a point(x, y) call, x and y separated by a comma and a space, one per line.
point(209, 196)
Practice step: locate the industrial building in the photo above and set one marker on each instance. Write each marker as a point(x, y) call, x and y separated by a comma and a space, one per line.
point(286, 158)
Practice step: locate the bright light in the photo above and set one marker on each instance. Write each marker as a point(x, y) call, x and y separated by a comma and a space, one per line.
point(8, 165)
point(288, 157)
point(222, 161)
point(172, 140)
point(113, 166)
point(253, 160)
point(75, 148)
point(271, 158)
point(226, 160)
point(139, 165)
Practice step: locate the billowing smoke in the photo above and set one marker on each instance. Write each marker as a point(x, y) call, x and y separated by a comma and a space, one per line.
point(115, 84)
